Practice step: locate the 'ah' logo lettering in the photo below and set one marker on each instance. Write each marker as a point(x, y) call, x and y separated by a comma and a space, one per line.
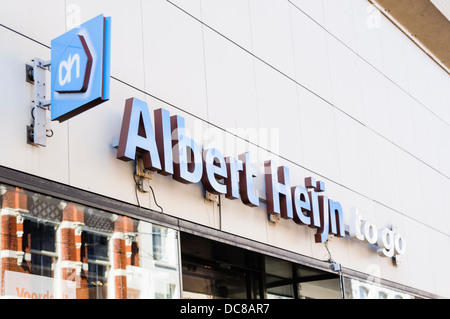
point(67, 65)
point(74, 67)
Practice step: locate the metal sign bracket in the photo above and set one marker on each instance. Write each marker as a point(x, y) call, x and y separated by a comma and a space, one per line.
point(38, 130)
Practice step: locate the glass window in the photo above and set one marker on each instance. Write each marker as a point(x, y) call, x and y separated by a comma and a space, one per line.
point(98, 263)
point(382, 295)
point(213, 269)
point(325, 288)
point(359, 289)
point(154, 273)
point(41, 238)
point(58, 249)
point(278, 278)
point(97, 246)
point(363, 292)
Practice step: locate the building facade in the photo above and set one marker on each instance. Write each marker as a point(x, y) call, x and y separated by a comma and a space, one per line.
point(316, 146)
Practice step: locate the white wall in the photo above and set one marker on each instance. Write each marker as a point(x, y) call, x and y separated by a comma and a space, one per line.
point(354, 102)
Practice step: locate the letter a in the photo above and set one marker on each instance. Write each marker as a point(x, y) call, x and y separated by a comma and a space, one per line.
point(137, 135)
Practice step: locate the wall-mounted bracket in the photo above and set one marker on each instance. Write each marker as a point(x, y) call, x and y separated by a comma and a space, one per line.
point(273, 218)
point(36, 74)
point(211, 197)
point(142, 176)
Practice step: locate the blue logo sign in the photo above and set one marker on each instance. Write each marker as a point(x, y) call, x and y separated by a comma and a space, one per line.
point(80, 64)
point(74, 67)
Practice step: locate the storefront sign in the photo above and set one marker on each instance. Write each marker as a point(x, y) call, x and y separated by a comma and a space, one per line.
point(168, 150)
point(390, 243)
point(80, 62)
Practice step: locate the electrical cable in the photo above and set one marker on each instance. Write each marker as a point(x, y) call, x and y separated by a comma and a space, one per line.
point(154, 199)
point(137, 187)
point(136, 190)
point(341, 277)
point(330, 259)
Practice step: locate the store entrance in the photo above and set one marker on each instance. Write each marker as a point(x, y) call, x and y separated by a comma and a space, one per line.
point(215, 270)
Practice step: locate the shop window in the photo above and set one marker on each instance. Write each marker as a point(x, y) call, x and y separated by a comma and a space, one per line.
point(57, 249)
point(360, 289)
point(216, 270)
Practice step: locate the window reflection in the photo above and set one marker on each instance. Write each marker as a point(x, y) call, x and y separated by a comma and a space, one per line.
point(57, 249)
point(98, 262)
point(358, 289)
point(363, 292)
point(40, 238)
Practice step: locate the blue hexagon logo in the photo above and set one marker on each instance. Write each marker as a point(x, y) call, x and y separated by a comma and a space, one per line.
point(74, 67)
point(80, 65)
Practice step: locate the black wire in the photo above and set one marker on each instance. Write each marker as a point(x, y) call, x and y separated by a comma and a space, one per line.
point(32, 115)
point(136, 190)
point(137, 186)
point(154, 198)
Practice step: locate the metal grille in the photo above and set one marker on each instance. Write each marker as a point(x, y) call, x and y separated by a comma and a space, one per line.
point(98, 220)
point(45, 208)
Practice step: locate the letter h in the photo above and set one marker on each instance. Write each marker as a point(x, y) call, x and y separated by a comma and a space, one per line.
point(278, 190)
